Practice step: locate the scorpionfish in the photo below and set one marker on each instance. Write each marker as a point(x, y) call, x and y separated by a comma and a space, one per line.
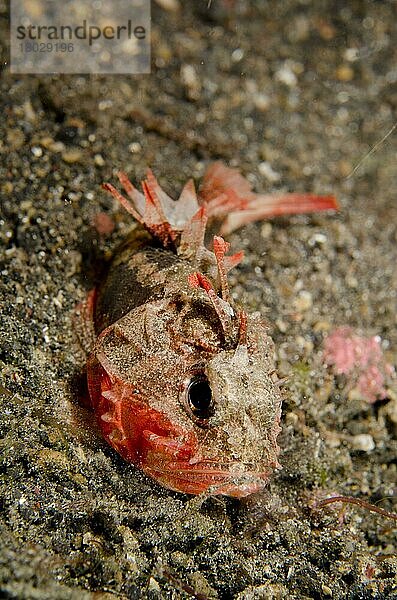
point(181, 379)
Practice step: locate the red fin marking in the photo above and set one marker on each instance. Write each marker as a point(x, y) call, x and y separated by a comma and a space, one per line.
point(198, 280)
point(164, 204)
point(137, 197)
point(220, 249)
point(153, 202)
point(225, 263)
point(154, 218)
point(265, 206)
point(123, 201)
point(233, 260)
point(293, 203)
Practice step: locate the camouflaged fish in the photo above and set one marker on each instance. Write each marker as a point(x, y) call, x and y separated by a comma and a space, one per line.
point(181, 379)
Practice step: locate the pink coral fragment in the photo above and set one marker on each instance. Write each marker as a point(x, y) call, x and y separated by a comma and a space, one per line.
point(361, 359)
point(340, 350)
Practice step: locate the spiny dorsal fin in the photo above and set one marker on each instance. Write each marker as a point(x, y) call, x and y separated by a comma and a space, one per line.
point(224, 196)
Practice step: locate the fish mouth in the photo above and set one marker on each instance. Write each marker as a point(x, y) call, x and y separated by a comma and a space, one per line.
point(215, 478)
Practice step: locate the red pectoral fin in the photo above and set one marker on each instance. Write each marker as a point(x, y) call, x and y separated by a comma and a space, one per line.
point(265, 206)
point(228, 196)
point(180, 448)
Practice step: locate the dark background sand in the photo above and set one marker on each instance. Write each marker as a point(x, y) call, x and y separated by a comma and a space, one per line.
point(294, 94)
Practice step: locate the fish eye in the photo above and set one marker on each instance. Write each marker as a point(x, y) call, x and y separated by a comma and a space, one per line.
point(199, 399)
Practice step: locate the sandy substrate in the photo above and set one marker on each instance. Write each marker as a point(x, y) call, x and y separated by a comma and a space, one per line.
point(294, 94)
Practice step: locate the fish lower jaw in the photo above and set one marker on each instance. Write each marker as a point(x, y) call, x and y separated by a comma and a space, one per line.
point(205, 478)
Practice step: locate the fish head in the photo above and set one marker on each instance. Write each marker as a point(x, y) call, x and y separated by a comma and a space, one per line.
point(235, 403)
point(198, 414)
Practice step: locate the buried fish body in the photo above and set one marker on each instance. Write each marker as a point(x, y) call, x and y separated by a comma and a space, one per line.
point(181, 379)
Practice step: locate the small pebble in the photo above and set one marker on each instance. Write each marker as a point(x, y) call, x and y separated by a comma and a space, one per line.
point(37, 151)
point(15, 138)
point(326, 590)
point(351, 54)
point(304, 301)
point(287, 76)
point(191, 81)
point(135, 147)
point(72, 156)
point(50, 144)
point(30, 114)
point(300, 29)
point(237, 55)
point(153, 585)
point(164, 53)
point(363, 441)
point(320, 326)
point(326, 30)
point(282, 325)
point(332, 439)
point(344, 73)
point(7, 187)
point(261, 101)
point(317, 238)
point(98, 160)
point(345, 167)
point(267, 171)
point(351, 281)
point(266, 230)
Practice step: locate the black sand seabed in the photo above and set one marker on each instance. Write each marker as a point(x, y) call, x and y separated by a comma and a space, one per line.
point(294, 94)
